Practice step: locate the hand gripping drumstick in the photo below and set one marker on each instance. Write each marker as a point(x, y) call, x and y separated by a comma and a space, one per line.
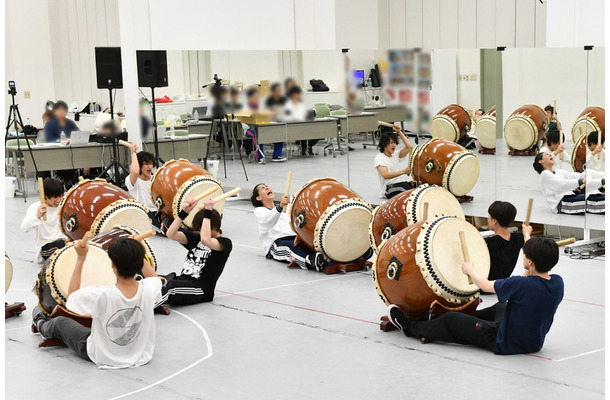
point(565, 242)
point(287, 191)
point(528, 214)
point(225, 195)
point(145, 235)
point(599, 142)
point(80, 179)
point(85, 239)
point(41, 190)
point(465, 252)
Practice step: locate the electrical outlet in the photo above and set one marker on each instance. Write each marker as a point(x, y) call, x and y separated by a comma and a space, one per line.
point(26, 94)
point(472, 77)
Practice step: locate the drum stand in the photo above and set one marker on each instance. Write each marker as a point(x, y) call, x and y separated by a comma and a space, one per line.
point(484, 150)
point(531, 152)
point(13, 310)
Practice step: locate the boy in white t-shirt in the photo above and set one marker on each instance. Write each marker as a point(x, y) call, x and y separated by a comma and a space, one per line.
point(557, 150)
point(596, 159)
point(47, 234)
point(122, 333)
point(393, 178)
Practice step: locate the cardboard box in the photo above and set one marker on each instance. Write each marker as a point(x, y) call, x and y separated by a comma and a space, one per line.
point(258, 117)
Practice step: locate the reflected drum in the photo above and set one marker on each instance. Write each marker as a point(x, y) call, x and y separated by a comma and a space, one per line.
point(525, 127)
point(179, 180)
point(486, 129)
point(96, 206)
point(8, 272)
point(407, 208)
point(444, 163)
point(422, 263)
point(591, 119)
point(579, 153)
point(451, 123)
point(331, 219)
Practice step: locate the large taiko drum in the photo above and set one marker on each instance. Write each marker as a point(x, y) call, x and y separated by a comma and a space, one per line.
point(444, 163)
point(591, 119)
point(332, 219)
point(407, 209)
point(54, 276)
point(486, 129)
point(579, 153)
point(8, 272)
point(525, 127)
point(179, 180)
point(422, 263)
point(452, 123)
point(96, 206)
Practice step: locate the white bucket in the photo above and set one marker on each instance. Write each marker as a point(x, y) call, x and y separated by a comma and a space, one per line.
point(10, 183)
point(213, 167)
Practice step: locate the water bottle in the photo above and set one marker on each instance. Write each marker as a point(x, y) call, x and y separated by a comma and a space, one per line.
point(62, 138)
point(196, 115)
point(172, 132)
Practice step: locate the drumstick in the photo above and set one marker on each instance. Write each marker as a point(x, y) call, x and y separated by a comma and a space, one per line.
point(205, 194)
point(85, 239)
point(465, 252)
point(41, 190)
point(528, 214)
point(554, 108)
point(225, 195)
point(145, 235)
point(80, 179)
point(565, 242)
point(287, 191)
point(599, 142)
point(425, 211)
point(124, 143)
point(382, 123)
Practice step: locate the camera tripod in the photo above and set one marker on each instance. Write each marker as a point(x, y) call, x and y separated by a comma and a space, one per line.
point(115, 164)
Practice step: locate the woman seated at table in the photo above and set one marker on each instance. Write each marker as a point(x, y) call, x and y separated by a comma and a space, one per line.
point(59, 123)
point(393, 179)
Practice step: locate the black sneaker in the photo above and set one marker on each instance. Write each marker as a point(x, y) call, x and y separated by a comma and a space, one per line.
point(310, 151)
point(397, 317)
point(315, 262)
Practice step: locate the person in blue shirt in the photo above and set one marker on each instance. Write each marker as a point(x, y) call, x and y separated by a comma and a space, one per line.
point(59, 123)
point(517, 324)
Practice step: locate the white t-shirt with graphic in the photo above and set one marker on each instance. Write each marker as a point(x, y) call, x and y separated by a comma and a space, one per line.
point(141, 192)
point(123, 330)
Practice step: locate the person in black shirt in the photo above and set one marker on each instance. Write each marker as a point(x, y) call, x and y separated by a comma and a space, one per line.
point(206, 258)
point(504, 247)
point(275, 101)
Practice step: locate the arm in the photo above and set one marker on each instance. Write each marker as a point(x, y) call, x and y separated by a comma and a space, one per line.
point(134, 168)
point(527, 232)
point(558, 183)
point(483, 283)
point(383, 171)
point(78, 268)
point(408, 146)
point(206, 229)
point(32, 217)
point(266, 217)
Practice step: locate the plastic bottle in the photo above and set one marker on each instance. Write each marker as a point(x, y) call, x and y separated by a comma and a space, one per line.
point(62, 138)
point(196, 115)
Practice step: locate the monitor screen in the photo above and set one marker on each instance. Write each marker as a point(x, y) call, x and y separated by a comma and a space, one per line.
point(359, 76)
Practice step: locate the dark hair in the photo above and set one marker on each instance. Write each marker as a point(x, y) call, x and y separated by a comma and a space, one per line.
point(60, 104)
point(214, 221)
point(48, 114)
point(502, 211)
point(233, 90)
point(592, 138)
point(251, 91)
point(294, 90)
point(145, 157)
point(289, 80)
point(52, 188)
point(217, 92)
point(109, 126)
point(537, 166)
point(385, 140)
point(274, 86)
point(553, 137)
point(127, 255)
point(550, 108)
point(481, 110)
point(544, 252)
point(255, 202)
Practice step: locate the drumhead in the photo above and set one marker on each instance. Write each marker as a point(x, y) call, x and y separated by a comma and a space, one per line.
point(585, 124)
point(461, 173)
point(341, 233)
point(443, 126)
point(486, 132)
point(575, 151)
point(8, 273)
point(97, 270)
point(520, 132)
point(193, 188)
point(440, 202)
point(122, 212)
point(440, 257)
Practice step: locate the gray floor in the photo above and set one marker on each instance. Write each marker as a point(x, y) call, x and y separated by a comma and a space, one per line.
point(273, 333)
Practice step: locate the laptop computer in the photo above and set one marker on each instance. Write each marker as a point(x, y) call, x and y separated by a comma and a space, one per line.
point(200, 112)
point(79, 137)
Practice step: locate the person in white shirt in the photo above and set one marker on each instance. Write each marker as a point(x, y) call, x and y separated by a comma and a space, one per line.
point(475, 118)
point(393, 178)
point(564, 190)
point(47, 233)
point(296, 110)
point(596, 159)
point(122, 333)
point(557, 150)
point(276, 235)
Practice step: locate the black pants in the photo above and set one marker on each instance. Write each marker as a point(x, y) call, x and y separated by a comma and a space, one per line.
point(73, 334)
point(397, 188)
point(48, 249)
point(307, 145)
point(183, 291)
point(455, 327)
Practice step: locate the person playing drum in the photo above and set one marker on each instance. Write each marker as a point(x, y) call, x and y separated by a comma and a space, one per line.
point(475, 118)
point(504, 247)
point(207, 255)
point(276, 235)
point(554, 123)
point(47, 232)
point(122, 333)
point(596, 159)
point(393, 179)
point(517, 324)
point(555, 148)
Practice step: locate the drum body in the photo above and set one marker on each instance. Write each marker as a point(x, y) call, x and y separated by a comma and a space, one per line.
point(451, 123)
point(107, 238)
point(444, 163)
point(591, 119)
point(525, 127)
point(407, 208)
point(96, 206)
point(579, 153)
point(422, 263)
point(486, 129)
point(331, 219)
point(8, 272)
point(179, 180)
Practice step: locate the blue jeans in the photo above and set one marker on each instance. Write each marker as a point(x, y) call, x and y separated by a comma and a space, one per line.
point(277, 149)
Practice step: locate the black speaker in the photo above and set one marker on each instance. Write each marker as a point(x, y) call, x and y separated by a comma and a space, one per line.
point(108, 68)
point(152, 68)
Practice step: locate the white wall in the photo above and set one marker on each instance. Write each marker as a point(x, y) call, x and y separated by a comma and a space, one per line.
point(28, 59)
point(575, 23)
point(446, 88)
point(327, 65)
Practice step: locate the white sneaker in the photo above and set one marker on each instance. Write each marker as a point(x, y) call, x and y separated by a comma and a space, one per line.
point(281, 159)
